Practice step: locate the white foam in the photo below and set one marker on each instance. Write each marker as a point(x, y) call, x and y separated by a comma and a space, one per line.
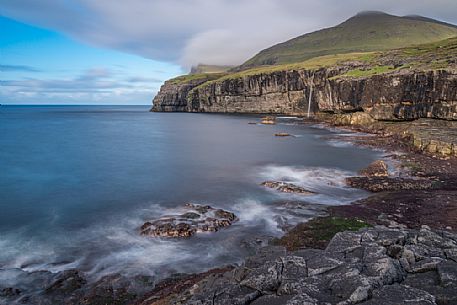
point(251, 213)
point(328, 183)
point(339, 144)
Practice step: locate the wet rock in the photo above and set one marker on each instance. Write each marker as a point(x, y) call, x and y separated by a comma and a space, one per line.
point(9, 292)
point(268, 120)
point(66, 282)
point(286, 187)
point(116, 289)
point(376, 169)
point(197, 218)
point(382, 184)
point(282, 134)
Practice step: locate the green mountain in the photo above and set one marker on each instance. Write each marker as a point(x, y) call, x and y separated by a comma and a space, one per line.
point(366, 31)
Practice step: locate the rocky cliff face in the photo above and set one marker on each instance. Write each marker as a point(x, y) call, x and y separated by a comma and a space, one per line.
point(172, 96)
point(403, 95)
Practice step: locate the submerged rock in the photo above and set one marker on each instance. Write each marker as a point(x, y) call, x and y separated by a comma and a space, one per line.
point(282, 134)
point(287, 187)
point(382, 184)
point(197, 218)
point(376, 169)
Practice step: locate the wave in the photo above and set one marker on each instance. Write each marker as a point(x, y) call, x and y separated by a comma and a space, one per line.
point(328, 183)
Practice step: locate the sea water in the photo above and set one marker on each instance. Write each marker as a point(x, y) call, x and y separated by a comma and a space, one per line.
point(76, 183)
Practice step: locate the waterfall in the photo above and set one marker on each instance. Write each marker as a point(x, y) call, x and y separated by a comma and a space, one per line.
point(310, 95)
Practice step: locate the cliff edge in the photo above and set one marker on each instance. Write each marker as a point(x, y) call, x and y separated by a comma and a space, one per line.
point(404, 84)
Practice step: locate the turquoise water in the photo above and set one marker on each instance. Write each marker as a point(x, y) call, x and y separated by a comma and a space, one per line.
point(76, 182)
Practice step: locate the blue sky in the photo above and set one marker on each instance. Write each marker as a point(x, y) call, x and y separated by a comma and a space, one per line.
point(120, 52)
point(39, 66)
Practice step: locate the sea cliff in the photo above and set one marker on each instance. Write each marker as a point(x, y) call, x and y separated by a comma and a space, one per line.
point(405, 95)
point(405, 84)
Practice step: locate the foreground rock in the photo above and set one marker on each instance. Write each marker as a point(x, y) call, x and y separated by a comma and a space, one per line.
point(286, 187)
point(374, 266)
point(70, 287)
point(196, 218)
point(376, 169)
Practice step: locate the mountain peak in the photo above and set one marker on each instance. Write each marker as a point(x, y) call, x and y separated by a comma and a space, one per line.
point(367, 31)
point(370, 13)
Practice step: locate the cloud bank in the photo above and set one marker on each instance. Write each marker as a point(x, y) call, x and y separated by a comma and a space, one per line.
point(93, 86)
point(189, 32)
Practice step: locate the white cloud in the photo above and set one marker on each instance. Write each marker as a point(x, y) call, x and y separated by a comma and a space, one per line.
point(93, 86)
point(203, 31)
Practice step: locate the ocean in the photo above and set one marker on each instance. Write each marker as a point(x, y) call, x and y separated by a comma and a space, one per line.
point(76, 183)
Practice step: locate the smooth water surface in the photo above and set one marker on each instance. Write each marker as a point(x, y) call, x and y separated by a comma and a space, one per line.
point(76, 182)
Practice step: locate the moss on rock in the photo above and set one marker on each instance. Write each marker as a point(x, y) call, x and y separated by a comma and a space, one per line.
point(318, 232)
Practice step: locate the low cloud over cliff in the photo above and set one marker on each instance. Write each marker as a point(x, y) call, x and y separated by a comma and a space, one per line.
point(202, 31)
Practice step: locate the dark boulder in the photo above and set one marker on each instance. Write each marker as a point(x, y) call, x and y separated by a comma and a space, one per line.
point(197, 218)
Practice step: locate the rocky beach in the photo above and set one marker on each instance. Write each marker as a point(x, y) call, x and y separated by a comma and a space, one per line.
point(397, 245)
point(320, 171)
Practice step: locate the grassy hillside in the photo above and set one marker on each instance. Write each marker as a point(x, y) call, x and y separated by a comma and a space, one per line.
point(430, 56)
point(365, 32)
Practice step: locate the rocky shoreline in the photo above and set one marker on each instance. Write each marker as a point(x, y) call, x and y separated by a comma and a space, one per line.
point(398, 246)
point(373, 266)
point(395, 247)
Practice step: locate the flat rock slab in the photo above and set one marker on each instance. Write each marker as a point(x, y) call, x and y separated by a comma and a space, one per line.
point(286, 187)
point(382, 184)
point(196, 218)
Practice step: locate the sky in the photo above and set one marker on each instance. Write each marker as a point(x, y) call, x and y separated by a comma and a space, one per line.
point(120, 52)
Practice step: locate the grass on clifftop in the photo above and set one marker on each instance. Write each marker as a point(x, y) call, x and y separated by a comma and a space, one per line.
point(368, 72)
point(311, 64)
point(318, 232)
point(190, 77)
point(431, 56)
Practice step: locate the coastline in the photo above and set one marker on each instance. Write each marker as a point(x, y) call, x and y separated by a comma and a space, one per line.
point(116, 289)
point(394, 211)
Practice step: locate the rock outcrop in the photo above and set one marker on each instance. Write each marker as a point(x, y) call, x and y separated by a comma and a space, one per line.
point(401, 95)
point(375, 266)
point(196, 218)
point(286, 187)
point(172, 96)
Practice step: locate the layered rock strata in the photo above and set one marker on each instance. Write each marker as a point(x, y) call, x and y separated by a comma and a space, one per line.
point(401, 95)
